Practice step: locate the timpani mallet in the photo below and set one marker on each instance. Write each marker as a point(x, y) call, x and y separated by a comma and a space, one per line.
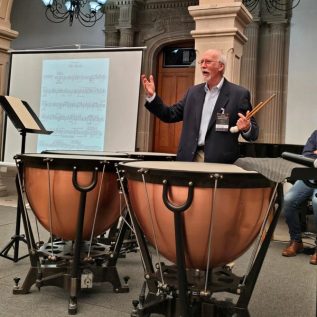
point(257, 108)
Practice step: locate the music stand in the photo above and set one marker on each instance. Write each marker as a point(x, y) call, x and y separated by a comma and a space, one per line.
point(25, 121)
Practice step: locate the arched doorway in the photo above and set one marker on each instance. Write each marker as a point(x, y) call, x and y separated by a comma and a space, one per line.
point(176, 69)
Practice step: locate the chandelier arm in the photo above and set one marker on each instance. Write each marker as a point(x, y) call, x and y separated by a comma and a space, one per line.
point(58, 7)
point(251, 4)
point(61, 16)
point(58, 19)
point(85, 16)
point(98, 18)
point(282, 2)
point(276, 3)
point(93, 16)
point(273, 4)
point(86, 24)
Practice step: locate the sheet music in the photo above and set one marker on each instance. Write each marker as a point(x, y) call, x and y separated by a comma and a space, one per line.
point(74, 103)
point(23, 114)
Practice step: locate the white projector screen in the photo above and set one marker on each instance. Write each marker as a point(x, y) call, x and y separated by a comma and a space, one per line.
point(88, 98)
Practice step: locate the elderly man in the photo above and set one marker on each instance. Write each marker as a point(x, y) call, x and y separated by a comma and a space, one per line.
point(208, 111)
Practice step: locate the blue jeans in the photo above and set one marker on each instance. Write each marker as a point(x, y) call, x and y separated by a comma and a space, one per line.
point(293, 199)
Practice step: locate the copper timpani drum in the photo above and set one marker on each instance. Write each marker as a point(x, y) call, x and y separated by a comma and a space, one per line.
point(221, 199)
point(48, 181)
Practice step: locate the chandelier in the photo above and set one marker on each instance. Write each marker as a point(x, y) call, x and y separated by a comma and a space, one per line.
point(272, 5)
point(85, 11)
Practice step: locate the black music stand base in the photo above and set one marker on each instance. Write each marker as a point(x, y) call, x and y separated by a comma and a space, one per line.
point(17, 238)
point(24, 124)
point(14, 244)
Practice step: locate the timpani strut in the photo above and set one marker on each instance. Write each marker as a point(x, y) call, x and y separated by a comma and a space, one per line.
point(212, 220)
point(143, 172)
point(260, 235)
point(49, 208)
point(127, 204)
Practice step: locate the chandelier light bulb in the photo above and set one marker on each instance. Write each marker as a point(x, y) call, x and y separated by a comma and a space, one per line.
point(94, 6)
point(48, 3)
point(69, 6)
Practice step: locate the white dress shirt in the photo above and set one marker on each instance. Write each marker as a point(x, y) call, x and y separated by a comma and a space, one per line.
point(208, 107)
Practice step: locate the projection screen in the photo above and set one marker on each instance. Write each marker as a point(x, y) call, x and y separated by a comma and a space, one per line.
point(88, 98)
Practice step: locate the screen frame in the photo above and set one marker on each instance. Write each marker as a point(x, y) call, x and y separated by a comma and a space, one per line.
point(12, 53)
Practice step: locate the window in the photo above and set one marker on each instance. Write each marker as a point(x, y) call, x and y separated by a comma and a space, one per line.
point(179, 57)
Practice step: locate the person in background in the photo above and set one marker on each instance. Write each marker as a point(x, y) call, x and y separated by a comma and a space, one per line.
point(293, 200)
point(208, 111)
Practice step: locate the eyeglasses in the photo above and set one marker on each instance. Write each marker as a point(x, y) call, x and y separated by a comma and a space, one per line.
point(207, 62)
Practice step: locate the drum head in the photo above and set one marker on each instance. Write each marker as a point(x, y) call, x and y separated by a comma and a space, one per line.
point(152, 156)
point(86, 153)
point(68, 161)
point(202, 174)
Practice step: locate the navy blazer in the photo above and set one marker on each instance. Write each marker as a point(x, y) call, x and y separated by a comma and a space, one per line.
point(311, 146)
point(220, 147)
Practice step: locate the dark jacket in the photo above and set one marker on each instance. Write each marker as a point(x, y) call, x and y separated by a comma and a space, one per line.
point(311, 146)
point(220, 147)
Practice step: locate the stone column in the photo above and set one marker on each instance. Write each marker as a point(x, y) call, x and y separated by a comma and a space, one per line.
point(126, 37)
point(127, 20)
point(220, 24)
point(272, 83)
point(250, 58)
point(112, 38)
point(111, 18)
point(6, 36)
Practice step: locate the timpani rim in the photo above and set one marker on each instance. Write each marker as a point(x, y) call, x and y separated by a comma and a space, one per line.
point(69, 162)
point(200, 174)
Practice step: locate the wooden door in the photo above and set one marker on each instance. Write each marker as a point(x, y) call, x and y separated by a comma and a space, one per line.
point(172, 84)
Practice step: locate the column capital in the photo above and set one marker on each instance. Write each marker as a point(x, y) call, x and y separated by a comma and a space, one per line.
point(220, 24)
point(221, 18)
point(6, 37)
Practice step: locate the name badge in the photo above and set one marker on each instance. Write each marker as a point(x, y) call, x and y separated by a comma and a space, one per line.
point(222, 122)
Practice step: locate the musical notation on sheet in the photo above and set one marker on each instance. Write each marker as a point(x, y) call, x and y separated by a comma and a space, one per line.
point(74, 103)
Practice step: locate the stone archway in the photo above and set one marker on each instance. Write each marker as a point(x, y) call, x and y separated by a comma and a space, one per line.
point(145, 120)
